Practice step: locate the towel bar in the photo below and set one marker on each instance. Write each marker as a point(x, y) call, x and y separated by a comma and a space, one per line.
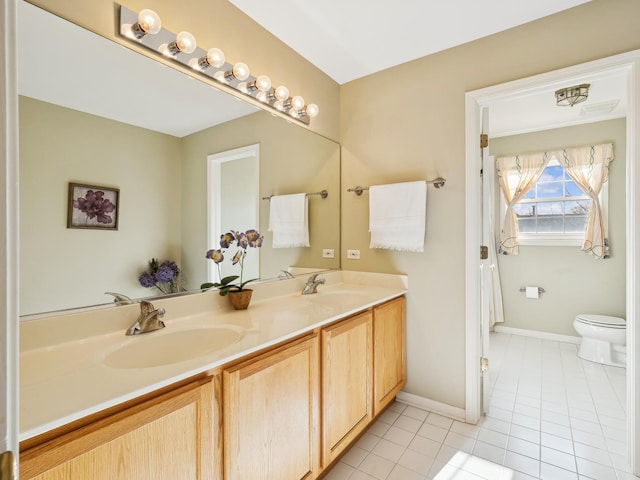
point(437, 182)
point(322, 193)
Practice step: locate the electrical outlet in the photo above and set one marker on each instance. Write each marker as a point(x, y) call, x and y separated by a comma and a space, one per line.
point(353, 254)
point(328, 253)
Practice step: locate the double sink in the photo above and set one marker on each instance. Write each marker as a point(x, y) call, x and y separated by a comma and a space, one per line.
point(167, 346)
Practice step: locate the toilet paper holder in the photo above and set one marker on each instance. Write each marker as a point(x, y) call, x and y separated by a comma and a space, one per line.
point(524, 289)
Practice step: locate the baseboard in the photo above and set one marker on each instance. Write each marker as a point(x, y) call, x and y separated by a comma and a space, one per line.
point(431, 406)
point(535, 334)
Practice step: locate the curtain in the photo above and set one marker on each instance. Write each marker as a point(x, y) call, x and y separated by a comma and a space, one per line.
point(588, 167)
point(516, 176)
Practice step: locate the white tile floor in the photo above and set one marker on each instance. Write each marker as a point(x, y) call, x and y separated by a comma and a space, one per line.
point(551, 416)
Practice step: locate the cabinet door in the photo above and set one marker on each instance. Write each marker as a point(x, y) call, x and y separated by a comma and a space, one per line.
point(165, 438)
point(389, 356)
point(271, 415)
point(346, 383)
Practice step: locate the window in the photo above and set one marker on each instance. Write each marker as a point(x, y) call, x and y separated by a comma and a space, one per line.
point(554, 211)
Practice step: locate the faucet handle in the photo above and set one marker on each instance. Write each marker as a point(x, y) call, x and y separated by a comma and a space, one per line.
point(313, 278)
point(147, 307)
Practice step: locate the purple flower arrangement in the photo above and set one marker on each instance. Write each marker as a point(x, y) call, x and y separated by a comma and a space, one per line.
point(164, 276)
point(243, 240)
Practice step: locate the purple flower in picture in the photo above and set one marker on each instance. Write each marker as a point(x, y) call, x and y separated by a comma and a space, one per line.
point(94, 205)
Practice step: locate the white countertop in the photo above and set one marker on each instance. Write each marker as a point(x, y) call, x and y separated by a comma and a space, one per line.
point(63, 375)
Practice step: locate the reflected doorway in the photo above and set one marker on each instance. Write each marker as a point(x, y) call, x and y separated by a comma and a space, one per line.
point(233, 203)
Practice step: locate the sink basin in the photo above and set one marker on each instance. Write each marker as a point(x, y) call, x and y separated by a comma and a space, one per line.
point(155, 349)
point(339, 297)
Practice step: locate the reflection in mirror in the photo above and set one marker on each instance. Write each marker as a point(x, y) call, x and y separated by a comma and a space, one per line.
point(151, 140)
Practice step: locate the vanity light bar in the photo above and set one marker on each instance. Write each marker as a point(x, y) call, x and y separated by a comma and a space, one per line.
point(145, 29)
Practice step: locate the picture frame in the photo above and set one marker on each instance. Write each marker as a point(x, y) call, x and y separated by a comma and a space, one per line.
point(93, 207)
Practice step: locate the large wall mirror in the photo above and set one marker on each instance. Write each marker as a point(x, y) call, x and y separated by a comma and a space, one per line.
point(94, 112)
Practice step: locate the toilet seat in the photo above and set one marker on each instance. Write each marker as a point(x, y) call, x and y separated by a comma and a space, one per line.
point(602, 321)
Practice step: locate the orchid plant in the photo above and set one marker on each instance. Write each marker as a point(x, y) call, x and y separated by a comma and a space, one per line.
point(243, 240)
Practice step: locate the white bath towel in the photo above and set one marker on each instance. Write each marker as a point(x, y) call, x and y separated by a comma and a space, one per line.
point(288, 220)
point(397, 214)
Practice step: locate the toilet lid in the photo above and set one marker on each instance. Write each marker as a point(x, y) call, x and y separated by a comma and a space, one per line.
point(602, 320)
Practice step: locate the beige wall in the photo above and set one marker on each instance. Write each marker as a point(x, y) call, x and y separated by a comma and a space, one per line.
point(59, 265)
point(292, 160)
point(217, 23)
point(408, 123)
point(401, 124)
point(574, 282)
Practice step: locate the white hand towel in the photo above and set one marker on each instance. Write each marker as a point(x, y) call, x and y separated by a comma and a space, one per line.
point(288, 220)
point(397, 214)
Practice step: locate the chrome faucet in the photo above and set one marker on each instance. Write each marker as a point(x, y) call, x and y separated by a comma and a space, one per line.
point(148, 320)
point(312, 284)
point(285, 274)
point(119, 298)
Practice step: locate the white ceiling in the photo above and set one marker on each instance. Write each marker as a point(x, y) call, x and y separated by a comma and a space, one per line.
point(348, 39)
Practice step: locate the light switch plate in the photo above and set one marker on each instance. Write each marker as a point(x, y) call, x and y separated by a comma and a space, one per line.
point(328, 253)
point(353, 254)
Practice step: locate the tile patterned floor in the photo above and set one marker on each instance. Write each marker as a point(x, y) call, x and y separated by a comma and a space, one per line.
point(551, 416)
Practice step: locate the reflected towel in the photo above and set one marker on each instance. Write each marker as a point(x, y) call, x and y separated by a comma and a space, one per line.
point(397, 214)
point(288, 220)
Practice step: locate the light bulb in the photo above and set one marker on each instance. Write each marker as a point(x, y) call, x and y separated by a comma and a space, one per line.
point(185, 42)
point(297, 102)
point(262, 96)
point(240, 71)
point(148, 22)
point(242, 86)
point(263, 83)
point(213, 58)
point(282, 93)
point(312, 110)
point(279, 105)
point(220, 76)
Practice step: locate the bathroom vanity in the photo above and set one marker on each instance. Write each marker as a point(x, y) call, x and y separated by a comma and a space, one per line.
point(303, 379)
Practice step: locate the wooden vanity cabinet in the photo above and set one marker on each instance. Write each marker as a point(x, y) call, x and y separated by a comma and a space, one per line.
point(168, 437)
point(271, 424)
point(346, 383)
point(284, 414)
point(389, 352)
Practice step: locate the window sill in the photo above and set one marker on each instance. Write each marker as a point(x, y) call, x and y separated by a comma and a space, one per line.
point(551, 241)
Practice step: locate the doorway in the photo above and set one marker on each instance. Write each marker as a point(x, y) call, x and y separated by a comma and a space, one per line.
point(233, 203)
point(627, 64)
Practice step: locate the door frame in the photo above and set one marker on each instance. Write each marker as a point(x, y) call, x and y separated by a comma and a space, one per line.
point(9, 324)
point(474, 101)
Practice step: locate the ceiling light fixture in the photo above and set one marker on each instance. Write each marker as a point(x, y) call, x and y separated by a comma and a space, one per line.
point(571, 95)
point(211, 63)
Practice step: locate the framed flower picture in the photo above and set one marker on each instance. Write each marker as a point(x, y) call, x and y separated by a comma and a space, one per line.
point(91, 206)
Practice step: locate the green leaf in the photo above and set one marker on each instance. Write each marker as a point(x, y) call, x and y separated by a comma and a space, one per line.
point(207, 285)
point(244, 283)
point(228, 280)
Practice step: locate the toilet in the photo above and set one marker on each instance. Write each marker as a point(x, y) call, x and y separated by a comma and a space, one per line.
point(604, 339)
